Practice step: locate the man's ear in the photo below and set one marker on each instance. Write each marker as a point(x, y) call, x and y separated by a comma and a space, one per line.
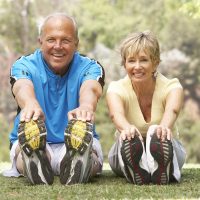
point(39, 40)
point(76, 43)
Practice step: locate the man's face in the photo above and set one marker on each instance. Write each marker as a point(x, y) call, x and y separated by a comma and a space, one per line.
point(58, 43)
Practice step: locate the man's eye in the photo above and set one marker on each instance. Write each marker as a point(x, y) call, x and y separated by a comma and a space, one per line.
point(50, 40)
point(66, 41)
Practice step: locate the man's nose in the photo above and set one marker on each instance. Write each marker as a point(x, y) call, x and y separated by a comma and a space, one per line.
point(58, 44)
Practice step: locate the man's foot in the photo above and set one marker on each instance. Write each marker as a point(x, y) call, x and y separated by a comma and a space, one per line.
point(76, 165)
point(135, 168)
point(32, 141)
point(162, 153)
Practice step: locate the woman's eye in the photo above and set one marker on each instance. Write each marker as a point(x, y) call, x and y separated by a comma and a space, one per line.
point(144, 60)
point(131, 60)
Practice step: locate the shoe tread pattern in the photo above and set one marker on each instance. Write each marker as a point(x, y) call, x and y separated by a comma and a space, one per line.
point(32, 136)
point(32, 141)
point(162, 152)
point(78, 135)
point(78, 138)
point(131, 152)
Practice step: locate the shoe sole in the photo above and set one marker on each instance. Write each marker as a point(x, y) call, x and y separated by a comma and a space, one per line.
point(78, 141)
point(78, 136)
point(32, 136)
point(162, 152)
point(131, 152)
point(32, 141)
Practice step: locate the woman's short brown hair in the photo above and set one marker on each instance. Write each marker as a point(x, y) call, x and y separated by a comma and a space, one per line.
point(141, 41)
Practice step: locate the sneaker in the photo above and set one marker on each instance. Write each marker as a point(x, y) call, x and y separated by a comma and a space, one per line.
point(76, 165)
point(162, 152)
point(135, 166)
point(32, 141)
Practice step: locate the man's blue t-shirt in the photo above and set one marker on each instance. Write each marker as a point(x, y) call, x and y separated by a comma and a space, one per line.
point(56, 95)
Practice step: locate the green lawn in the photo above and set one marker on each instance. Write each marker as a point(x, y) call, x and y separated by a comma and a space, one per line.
point(106, 186)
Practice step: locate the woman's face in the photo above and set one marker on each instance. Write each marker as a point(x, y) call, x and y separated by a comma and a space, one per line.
point(139, 67)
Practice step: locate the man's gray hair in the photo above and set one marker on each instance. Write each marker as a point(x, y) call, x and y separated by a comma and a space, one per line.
point(43, 22)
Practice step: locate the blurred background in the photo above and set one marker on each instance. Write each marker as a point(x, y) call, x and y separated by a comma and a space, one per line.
point(102, 26)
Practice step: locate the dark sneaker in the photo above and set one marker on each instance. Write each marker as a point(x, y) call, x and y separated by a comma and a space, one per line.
point(76, 165)
point(162, 152)
point(32, 141)
point(135, 166)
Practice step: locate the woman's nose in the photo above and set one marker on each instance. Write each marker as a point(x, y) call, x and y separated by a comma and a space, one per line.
point(137, 64)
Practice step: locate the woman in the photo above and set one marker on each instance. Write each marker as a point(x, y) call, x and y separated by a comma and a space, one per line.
point(144, 106)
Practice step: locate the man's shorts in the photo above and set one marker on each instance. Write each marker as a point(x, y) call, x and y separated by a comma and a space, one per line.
point(56, 152)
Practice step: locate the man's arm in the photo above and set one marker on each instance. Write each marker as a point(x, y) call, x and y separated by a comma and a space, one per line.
point(90, 92)
point(23, 91)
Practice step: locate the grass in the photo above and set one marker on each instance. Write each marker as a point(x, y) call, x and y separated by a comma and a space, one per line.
point(106, 186)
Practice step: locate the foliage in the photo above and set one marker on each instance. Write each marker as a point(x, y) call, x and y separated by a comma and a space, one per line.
point(190, 136)
point(106, 186)
point(104, 127)
point(192, 8)
point(4, 141)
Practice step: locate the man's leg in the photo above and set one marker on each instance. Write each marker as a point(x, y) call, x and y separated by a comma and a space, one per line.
point(97, 158)
point(19, 161)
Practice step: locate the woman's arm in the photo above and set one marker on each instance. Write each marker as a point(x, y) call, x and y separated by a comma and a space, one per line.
point(117, 114)
point(174, 102)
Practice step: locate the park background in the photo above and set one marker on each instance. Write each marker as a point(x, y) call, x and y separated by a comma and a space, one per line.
point(102, 25)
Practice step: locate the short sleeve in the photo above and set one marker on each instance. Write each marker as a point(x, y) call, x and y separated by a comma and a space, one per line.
point(115, 87)
point(94, 71)
point(172, 84)
point(19, 70)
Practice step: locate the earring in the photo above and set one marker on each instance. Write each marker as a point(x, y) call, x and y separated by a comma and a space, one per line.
point(154, 74)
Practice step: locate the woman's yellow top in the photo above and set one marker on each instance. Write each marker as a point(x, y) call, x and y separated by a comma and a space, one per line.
point(123, 88)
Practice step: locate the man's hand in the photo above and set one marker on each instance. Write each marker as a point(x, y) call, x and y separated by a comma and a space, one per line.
point(81, 113)
point(31, 110)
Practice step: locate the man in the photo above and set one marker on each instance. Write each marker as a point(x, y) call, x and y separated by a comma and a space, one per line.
point(54, 87)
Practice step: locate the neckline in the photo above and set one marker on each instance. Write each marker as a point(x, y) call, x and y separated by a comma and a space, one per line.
point(138, 105)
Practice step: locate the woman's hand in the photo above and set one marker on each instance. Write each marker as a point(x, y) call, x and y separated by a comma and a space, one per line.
point(129, 133)
point(163, 132)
